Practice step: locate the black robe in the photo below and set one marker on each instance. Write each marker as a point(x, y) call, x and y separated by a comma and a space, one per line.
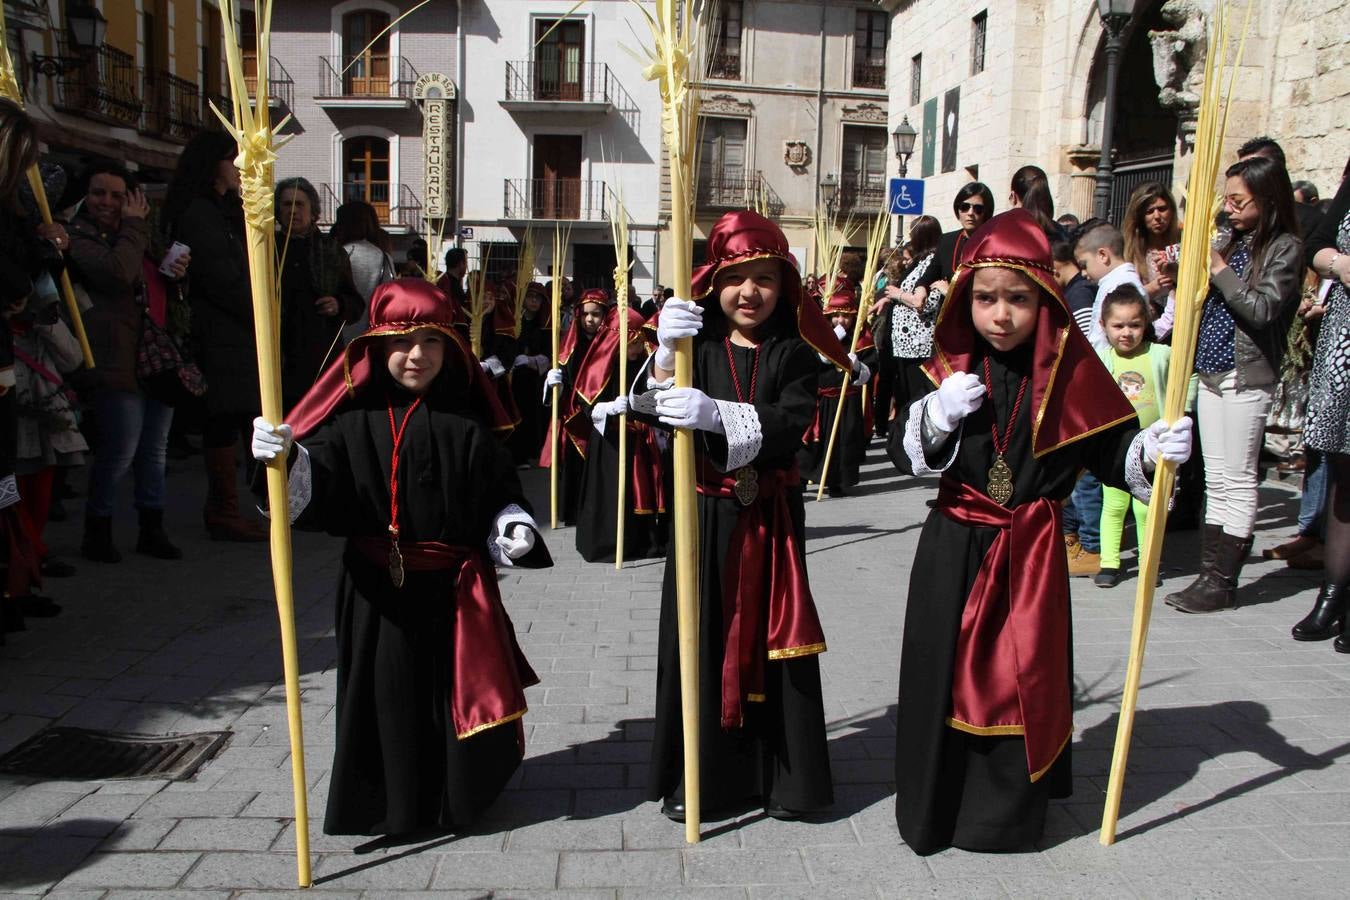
point(571, 464)
point(781, 754)
point(954, 788)
point(851, 445)
point(527, 387)
point(398, 765)
point(644, 534)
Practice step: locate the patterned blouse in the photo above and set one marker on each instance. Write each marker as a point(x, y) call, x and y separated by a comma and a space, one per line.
point(912, 329)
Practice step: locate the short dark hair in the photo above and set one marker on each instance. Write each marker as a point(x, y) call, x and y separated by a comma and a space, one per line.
point(1098, 233)
point(975, 189)
point(667, 293)
point(1310, 194)
point(116, 170)
point(1128, 294)
point(1069, 220)
point(1062, 251)
point(456, 256)
point(1261, 145)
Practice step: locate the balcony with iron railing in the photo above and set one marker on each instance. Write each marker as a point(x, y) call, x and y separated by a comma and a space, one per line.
point(724, 64)
point(280, 85)
point(733, 189)
point(860, 196)
point(397, 208)
point(567, 199)
point(869, 74)
point(172, 107)
point(544, 85)
point(370, 81)
point(107, 88)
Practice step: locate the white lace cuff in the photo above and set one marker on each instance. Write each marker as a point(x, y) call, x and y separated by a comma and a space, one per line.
point(511, 515)
point(9, 491)
point(744, 436)
point(1137, 477)
point(299, 485)
point(645, 401)
point(922, 438)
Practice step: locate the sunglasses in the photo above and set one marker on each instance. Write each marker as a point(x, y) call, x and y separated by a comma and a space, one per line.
point(1237, 203)
point(977, 208)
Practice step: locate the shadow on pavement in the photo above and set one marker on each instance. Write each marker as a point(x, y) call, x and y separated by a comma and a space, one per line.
point(35, 859)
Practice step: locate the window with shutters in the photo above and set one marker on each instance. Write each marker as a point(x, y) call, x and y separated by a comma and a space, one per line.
point(725, 59)
point(862, 183)
point(366, 63)
point(559, 61)
point(722, 175)
point(916, 80)
point(869, 49)
point(978, 27)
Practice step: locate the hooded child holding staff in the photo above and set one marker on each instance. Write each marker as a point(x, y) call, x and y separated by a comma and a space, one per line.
point(1023, 404)
point(855, 423)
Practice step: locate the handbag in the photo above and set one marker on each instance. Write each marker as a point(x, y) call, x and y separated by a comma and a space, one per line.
point(165, 370)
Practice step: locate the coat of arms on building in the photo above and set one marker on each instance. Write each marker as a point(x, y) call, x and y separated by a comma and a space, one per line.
point(796, 154)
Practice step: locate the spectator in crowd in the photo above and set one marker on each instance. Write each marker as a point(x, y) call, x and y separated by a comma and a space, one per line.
point(1328, 425)
point(973, 206)
point(356, 228)
point(1305, 194)
point(1068, 221)
point(116, 260)
point(318, 297)
point(1152, 241)
point(1030, 190)
point(414, 260)
point(1255, 277)
point(1100, 251)
point(27, 249)
point(203, 211)
point(452, 282)
point(909, 302)
point(1079, 293)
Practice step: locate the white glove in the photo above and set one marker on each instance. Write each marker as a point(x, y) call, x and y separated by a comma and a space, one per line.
point(959, 396)
point(540, 363)
point(602, 411)
point(493, 366)
point(521, 360)
point(270, 441)
point(518, 540)
point(839, 332)
point(1170, 443)
point(861, 374)
point(679, 319)
point(688, 408)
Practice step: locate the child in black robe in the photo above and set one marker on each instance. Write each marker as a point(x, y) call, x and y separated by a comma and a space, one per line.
point(855, 425)
point(985, 717)
point(582, 329)
point(762, 719)
point(430, 677)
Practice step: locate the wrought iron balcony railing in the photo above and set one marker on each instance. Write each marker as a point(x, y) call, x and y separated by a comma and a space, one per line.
point(395, 205)
point(173, 107)
point(553, 80)
point(725, 64)
point(280, 85)
point(869, 74)
point(860, 196)
point(372, 75)
point(107, 87)
point(572, 199)
point(737, 189)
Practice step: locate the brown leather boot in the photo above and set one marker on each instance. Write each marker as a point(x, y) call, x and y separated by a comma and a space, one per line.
point(1221, 589)
point(221, 513)
point(1209, 545)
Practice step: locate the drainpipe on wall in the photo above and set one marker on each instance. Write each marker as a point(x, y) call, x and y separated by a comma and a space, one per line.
point(820, 115)
point(460, 100)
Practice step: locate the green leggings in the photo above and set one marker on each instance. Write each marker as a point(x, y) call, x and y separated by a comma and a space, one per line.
point(1114, 504)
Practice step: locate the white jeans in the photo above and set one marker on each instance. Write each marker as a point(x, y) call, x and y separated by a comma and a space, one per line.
point(1232, 428)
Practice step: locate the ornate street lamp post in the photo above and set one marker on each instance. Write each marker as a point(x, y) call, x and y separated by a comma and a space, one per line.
point(902, 138)
point(1115, 16)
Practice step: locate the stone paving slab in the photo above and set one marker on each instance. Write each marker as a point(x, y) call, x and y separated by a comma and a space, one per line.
point(1238, 773)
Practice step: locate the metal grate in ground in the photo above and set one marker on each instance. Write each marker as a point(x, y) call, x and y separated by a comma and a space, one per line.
point(78, 753)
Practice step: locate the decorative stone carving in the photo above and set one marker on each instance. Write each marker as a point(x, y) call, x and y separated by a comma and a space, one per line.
point(796, 154)
point(1177, 54)
point(870, 113)
point(726, 104)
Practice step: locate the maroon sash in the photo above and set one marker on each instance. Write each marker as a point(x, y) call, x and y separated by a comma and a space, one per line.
point(819, 430)
point(767, 610)
point(1011, 673)
point(645, 484)
point(490, 673)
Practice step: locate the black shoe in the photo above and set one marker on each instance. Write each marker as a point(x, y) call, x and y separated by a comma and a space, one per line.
point(38, 606)
point(775, 810)
point(673, 809)
point(1326, 619)
point(97, 544)
point(835, 492)
point(57, 568)
point(153, 540)
point(1107, 578)
point(1342, 643)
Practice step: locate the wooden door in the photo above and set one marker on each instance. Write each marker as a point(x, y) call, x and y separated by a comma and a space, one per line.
point(559, 68)
point(366, 173)
point(722, 176)
point(556, 184)
point(365, 58)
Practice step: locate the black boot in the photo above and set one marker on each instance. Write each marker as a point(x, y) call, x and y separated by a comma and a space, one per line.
point(1220, 592)
point(1327, 617)
point(1342, 643)
point(98, 544)
point(1209, 545)
point(153, 540)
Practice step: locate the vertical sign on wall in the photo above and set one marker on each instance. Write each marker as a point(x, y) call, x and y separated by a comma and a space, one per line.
point(951, 120)
point(437, 93)
point(929, 138)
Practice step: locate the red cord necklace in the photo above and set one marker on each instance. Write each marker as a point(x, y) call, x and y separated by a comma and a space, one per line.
point(396, 432)
point(736, 379)
point(1000, 475)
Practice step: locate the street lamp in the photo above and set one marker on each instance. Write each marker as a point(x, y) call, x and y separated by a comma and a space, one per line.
point(86, 29)
point(1115, 15)
point(829, 186)
point(903, 138)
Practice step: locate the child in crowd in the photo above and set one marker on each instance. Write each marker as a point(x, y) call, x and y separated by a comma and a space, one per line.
point(579, 332)
point(855, 423)
point(985, 706)
point(1140, 368)
point(755, 345)
point(1100, 252)
point(395, 452)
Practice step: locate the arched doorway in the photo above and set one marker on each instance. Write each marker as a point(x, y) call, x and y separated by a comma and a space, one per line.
point(365, 173)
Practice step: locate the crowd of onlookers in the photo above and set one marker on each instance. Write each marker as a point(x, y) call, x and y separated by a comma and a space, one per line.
point(166, 303)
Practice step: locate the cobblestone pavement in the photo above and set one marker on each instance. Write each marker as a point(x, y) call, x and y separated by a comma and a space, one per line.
point(1239, 784)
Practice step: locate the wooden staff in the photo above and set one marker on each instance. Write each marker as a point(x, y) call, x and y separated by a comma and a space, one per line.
point(670, 61)
point(554, 437)
point(478, 302)
point(618, 221)
point(875, 237)
point(9, 88)
point(253, 131)
point(1191, 290)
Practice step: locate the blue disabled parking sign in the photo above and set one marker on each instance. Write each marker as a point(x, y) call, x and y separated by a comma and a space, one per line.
point(905, 197)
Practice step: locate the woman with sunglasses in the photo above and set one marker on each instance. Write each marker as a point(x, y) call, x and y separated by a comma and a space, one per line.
point(973, 206)
point(1256, 272)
